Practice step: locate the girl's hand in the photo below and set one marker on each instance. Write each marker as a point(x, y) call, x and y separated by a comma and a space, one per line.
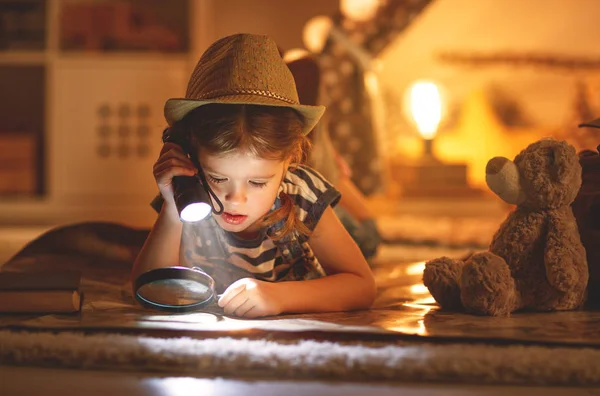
point(251, 298)
point(171, 162)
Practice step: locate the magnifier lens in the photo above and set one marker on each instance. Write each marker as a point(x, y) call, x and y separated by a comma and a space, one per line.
point(175, 289)
point(175, 292)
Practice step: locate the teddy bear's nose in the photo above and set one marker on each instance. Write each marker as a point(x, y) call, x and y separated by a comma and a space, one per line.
point(495, 165)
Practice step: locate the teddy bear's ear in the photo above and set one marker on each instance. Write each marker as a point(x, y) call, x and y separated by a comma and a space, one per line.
point(562, 160)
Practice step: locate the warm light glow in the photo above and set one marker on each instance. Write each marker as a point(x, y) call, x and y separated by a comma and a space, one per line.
point(378, 120)
point(315, 33)
point(419, 289)
point(195, 212)
point(372, 83)
point(416, 268)
point(423, 303)
point(295, 54)
point(418, 309)
point(425, 103)
point(359, 10)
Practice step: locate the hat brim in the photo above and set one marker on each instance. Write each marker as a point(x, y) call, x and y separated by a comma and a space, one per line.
point(592, 124)
point(176, 109)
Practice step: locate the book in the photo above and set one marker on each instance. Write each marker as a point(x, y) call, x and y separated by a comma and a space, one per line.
point(40, 292)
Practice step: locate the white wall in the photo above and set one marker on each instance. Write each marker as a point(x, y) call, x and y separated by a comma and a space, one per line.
point(283, 20)
point(554, 27)
point(83, 186)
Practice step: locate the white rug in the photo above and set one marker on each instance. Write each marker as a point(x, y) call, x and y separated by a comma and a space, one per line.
point(248, 358)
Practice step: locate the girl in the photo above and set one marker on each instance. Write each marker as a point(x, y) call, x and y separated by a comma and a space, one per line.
point(278, 246)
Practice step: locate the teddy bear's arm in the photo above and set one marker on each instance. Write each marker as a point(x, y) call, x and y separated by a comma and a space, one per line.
point(517, 236)
point(565, 263)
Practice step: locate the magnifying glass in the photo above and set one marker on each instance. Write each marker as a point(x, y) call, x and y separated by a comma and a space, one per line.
point(175, 289)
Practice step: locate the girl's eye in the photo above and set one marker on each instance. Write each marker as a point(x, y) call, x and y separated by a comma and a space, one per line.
point(258, 184)
point(216, 180)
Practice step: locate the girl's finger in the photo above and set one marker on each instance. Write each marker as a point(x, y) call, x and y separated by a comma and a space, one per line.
point(233, 290)
point(236, 303)
point(174, 156)
point(165, 176)
point(170, 146)
point(243, 309)
point(172, 163)
point(252, 313)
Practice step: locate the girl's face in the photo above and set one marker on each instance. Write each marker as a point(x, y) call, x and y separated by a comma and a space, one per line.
point(246, 185)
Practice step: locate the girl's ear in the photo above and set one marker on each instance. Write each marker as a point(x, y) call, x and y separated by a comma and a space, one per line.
point(288, 164)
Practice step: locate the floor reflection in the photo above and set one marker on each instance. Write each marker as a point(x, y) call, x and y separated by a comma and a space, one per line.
point(403, 307)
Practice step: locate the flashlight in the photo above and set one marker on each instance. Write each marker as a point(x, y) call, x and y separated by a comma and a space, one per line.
point(193, 196)
point(192, 200)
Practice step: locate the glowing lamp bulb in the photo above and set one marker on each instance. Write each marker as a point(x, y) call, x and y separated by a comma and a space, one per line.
point(426, 107)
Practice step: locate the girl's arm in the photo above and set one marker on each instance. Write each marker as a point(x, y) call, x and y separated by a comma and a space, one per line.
point(161, 248)
point(353, 200)
point(349, 283)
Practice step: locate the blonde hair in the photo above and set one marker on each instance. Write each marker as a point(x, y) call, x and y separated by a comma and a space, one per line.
point(269, 132)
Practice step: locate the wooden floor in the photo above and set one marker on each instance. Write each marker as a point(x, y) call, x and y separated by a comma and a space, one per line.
point(54, 382)
point(403, 307)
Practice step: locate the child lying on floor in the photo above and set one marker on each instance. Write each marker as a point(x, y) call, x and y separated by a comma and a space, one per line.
point(277, 246)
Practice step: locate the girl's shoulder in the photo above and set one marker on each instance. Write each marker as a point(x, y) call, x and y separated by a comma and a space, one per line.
point(310, 192)
point(306, 182)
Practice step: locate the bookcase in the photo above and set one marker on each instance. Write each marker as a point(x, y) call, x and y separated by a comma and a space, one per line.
point(81, 110)
point(22, 97)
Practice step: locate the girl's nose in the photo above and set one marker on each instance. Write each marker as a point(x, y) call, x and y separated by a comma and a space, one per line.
point(236, 196)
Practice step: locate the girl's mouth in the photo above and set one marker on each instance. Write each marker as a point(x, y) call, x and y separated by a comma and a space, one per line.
point(233, 218)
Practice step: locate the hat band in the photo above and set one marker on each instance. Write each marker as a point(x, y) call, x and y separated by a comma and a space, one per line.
point(258, 92)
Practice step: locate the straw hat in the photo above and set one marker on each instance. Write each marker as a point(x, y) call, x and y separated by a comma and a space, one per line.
point(242, 69)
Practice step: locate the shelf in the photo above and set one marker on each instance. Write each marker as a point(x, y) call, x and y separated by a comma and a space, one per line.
point(120, 56)
point(23, 57)
point(46, 57)
point(23, 25)
point(22, 129)
point(52, 90)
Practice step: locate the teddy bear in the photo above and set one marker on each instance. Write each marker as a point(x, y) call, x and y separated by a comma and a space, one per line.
point(536, 260)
